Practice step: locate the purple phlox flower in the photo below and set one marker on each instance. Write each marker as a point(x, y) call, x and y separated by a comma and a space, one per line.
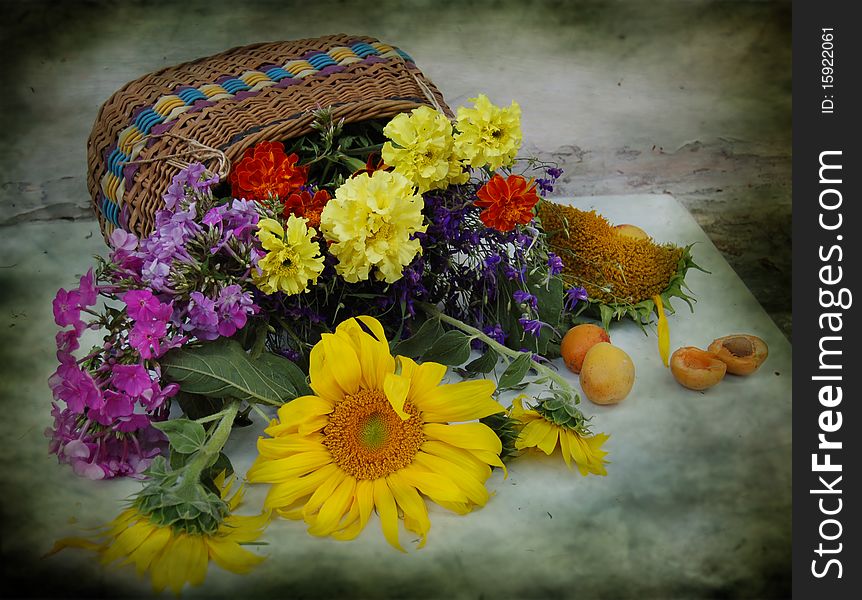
point(131, 379)
point(555, 264)
point(522, 297)
point(573, 295)
point(155, 274)
point(215, 215)
point(67, 342)
point(203, 320)
point(67, 309)
point(176, 193)
point(197, 177)
point(495, 332)
point(546, 186)
point(87, 291)
point(146, 337)
point(125, 448)
point(532, 326)
point(233, 307)
point(141, 305)
point(76, 388)
point(554, 172)
point(154, 397)
point(117, 405)
point(123, 240)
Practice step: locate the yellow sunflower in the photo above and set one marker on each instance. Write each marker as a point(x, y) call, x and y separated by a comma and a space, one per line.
point(376, 435)
point(293, 258)
point(538, 432)
point(174, 558)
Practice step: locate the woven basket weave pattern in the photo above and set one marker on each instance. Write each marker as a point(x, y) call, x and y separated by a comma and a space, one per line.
point(231, 101)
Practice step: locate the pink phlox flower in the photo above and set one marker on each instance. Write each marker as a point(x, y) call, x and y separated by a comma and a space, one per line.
point(67, 342)
point(67, 309)
point(87, 291)
point(131, 379)
point(141, 305)
point(76, 388)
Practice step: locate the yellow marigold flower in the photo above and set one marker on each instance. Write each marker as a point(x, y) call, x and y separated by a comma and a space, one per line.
point(377, 434)
point(488, 135)
point(293, 258)
point(538, 432)
point(423, 149)
point(371, 221)
point(173, 557)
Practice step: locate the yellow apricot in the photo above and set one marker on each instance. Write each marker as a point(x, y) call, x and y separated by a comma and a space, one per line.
point(577, 341)
point(607, 374)
point(696, 369)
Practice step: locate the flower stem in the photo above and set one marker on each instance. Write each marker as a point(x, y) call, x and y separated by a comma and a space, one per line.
point(213, 445)
point(499, 348)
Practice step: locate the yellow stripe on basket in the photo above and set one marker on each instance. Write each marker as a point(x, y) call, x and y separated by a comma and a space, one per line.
point(382, 47)
point(252, 78)
point(176, 112)
point(340, 53)
point(295, 67)
point(110, 185)
point(166, 104)
point(214, 91)
point(128, 138)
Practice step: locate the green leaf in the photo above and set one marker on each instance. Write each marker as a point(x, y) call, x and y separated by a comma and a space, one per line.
point(197, 407)
point(418, 343)
point(184, 436)
point(452, 348)
point(515, 372)
point(483, 364)
point(607, 313)
point(222, 369)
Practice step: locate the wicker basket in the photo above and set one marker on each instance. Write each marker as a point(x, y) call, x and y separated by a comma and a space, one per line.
point(216, 107)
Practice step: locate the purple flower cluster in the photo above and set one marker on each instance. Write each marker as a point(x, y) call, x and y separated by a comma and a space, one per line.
point(546, 184)
point(105, 428)
point(183, 282)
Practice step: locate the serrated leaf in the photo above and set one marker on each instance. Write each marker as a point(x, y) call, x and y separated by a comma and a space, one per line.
point(184, 436)
point(485, 363)
point(222, 369)
point(452, 348)
point(515, 372)
point(418, 343)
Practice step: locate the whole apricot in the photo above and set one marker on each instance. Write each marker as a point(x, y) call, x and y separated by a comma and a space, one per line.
point(743, 354)
point(632, 231)
point(696, 369)
point(577, 341)
point(607, 374)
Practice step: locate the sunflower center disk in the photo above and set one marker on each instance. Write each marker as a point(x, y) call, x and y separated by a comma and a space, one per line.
point(368, 440)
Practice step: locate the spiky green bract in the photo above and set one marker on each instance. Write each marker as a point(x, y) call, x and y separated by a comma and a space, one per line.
point(560, 409)
point(507, 429)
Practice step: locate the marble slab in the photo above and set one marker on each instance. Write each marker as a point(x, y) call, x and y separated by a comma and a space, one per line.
point(696, 502)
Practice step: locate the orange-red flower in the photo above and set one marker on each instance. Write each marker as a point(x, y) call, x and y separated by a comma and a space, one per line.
point(303, 204)
point(507, 202)
point(374, 163)
point(265, 171)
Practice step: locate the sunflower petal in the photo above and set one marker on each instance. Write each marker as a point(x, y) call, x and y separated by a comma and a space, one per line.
point(396, 387)
point(230, 556)
point(334, 508)
point(323, 492)
point(365, 499)
point(466, 435)
point(463, 458)
point(149, 549)
point(385, 503)
point(549, 442)
point(343, 364)
point(282, 495)
point(412, 505)
point(473, 488)
point(532, 433)
point(424, 378)
point(437, 487)
point(277, 470)
point(456, 402)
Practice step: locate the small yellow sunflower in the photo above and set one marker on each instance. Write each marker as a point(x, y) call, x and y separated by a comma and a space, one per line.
point(174, 558)
point(488, 135)
point(293, 258)
point(376, 435)
point(538, 432)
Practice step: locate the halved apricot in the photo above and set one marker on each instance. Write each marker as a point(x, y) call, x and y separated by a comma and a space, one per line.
point(696, 369)
point(743, 354)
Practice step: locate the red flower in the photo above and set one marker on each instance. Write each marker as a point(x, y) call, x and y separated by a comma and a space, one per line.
point(507, 202)
point(374, 163)
point(303, 204)
point(266, 172)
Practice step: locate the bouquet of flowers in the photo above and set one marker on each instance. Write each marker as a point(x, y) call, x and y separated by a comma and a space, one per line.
point(326, 287)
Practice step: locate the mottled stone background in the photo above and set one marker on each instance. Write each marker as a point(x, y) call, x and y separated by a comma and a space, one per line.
point(690, 98)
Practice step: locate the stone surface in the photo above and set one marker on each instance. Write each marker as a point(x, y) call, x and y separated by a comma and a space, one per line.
point(696, 503)
point(688, 98)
